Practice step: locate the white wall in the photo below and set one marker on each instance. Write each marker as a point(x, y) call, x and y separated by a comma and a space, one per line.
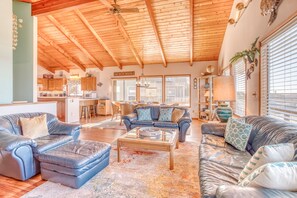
point(6, 67)
point(158, 69)
point(47, 107)
point(251, 25)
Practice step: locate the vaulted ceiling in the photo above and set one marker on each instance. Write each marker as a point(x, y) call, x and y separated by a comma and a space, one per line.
point(83, 34)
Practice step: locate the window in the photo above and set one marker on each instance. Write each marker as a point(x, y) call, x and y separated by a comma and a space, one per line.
point(154, 92)
point(124, 89)
point(74, 87)
point(177, 90)
point(279, 74)
point(240, 80)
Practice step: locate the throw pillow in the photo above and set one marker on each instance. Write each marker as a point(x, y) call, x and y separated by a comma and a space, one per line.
point(177, 114)
point(267, 154)
point(34, 127)
point(237, 133)
point(144, 114)
point(165, 114)
point(277, 175)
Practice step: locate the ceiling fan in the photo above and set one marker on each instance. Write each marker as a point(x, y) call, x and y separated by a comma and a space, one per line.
point(116, 9)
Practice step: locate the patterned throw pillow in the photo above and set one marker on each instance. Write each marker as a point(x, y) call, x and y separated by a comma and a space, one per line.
point(277, 175)
point(237, 133)
point(177, 114)
point(165, 114)
point(267, 154)
point(144, 114)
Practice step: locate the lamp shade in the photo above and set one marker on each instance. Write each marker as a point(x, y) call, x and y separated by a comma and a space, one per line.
point(223, 89)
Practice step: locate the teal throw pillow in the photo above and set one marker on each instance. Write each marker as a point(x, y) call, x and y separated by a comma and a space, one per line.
point(165, 114)
point(144, 114)
point(237, 133)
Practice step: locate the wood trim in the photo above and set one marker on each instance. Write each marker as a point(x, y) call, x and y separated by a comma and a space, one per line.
point(152, 18)
point(179, 75)
point(129, 42)
point(45, 66)
point(40, 51)
point(48, 6)
point(259, 84)
point(95, 34)
point(61, 50)
point(74, 40)
point(191, 32)
point(274, 31)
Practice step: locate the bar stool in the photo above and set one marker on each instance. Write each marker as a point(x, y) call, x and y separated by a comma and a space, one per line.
point(93, 110)
point(85, 112)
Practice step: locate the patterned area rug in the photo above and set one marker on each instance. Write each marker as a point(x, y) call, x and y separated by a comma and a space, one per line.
point(141, 173)
point(106, 124)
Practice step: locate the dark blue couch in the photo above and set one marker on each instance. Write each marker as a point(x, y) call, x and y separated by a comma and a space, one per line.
point(19, 155)
point(182, 125)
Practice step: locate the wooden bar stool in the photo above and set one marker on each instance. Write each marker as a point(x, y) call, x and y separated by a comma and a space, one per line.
point(93, 110)
point(85, 112)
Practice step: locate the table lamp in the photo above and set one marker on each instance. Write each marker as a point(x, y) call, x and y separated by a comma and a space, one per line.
point(223, 91)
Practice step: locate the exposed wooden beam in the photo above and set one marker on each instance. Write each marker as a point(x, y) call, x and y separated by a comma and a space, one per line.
point(45, 66)
point(48, 6)
point(125, 35)
point(61, 65)
point(74, 40)
point(152, 18)
point(61, 50)
point(95, 34)
point(191, 32)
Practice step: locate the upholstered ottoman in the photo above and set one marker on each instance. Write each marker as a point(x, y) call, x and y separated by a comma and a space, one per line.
point(74, 163)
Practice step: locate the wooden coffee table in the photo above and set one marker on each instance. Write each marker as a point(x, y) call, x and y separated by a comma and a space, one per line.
point(166, 141)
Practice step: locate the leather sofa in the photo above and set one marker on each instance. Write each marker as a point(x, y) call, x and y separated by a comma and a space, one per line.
point(221, 164)
point(182, 125)
point(19, 155)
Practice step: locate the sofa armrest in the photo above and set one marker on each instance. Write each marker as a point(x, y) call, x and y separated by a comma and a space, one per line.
point(230, 191)
point(130, 117)
point(62, 128)
point(217, 129)
point(185, 119)
point(8, 141)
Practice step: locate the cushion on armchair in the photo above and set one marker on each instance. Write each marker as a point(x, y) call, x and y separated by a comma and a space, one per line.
point(34, 127)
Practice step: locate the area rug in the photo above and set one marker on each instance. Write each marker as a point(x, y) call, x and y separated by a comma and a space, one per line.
point(141, 173)
point(106, 124)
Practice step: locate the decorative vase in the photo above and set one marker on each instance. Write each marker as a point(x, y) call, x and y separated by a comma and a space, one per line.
point(224, 113)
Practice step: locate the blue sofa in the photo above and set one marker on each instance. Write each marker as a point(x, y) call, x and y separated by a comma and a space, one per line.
point(221, 164)
point(19, 155)
point(182, 125)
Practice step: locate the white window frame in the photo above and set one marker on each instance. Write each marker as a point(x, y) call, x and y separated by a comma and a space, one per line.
point(278, 57)
point(239, 71)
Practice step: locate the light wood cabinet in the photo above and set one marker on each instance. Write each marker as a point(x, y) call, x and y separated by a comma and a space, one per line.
point(88, 84)
point(56, 84)
point(44, 83)
point(104, 107)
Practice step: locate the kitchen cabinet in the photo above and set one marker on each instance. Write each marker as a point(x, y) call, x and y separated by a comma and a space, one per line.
point(44, 83)
point(104, 107)
point(88, 84)
point(56, 84)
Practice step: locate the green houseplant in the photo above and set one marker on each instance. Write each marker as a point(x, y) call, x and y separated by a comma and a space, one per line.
point(249, 56)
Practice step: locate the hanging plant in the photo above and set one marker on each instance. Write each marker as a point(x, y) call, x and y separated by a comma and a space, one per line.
point(250, 58)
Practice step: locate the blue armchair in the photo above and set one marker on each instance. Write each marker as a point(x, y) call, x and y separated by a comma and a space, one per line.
point(19, 155)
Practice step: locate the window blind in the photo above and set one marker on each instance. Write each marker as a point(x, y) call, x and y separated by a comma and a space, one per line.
point(279, 74)
point(240, 80)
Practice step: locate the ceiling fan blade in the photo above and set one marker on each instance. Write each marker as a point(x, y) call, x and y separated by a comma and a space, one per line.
point(122, 20)
point(129, 10)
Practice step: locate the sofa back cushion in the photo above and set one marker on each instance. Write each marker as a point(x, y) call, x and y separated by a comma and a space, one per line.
point(267, 130)
point(11, 123)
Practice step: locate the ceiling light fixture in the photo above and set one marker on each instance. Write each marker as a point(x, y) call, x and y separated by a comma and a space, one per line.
point(142, 82)
point(240, 8)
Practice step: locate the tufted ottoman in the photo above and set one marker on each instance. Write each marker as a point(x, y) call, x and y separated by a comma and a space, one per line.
point(74, 163)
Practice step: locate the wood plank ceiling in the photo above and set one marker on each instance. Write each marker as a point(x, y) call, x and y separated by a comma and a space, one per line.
point(86, 35)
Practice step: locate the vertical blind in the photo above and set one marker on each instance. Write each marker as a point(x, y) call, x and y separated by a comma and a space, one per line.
point(240, 80)
point(279, 74)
